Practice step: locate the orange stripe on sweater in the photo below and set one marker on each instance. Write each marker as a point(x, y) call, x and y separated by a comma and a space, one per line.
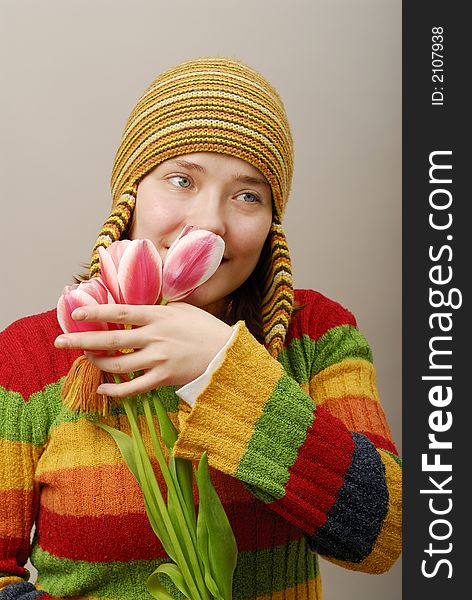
point(359, 413)
point(12, 523)
point(79, 492)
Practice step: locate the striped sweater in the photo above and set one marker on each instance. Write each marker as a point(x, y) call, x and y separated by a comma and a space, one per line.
point(301, 456)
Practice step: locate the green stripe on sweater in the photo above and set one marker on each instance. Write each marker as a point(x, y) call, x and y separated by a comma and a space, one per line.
point(337, 344)
point(297, 358)
point(30, 421)
point(274, 569)
point(278, 434)
point(340, 343)
point(257, 573)
point(62, 577)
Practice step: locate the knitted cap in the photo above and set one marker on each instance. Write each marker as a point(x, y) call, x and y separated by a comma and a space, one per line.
point(211, 105)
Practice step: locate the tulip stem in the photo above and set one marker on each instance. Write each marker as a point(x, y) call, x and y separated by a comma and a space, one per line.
point(166, 472)
point(169, 437)
point(184, 522)
point(146, 479)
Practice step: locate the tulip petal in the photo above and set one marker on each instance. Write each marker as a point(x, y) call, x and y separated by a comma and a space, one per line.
point(189, 262)
point(109, 273)
point(187, 229)
point(69, 288)
point(116, 251)
point(68, 303)
point(140, 273)
point(95, 288)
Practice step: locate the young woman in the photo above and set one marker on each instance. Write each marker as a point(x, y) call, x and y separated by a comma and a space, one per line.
point(276, 384)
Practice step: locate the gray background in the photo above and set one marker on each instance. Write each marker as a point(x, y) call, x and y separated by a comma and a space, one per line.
point(71, 73)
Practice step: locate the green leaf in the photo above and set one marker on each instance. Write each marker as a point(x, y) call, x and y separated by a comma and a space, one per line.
point(202, 546)
point(179, 524)
point(182, 473)
point(125, 446)
point(168, 431)
point(222, 549)
point(156, 589)
point(175, 575)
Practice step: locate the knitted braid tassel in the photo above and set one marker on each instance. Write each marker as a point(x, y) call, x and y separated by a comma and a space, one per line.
point(79, 389)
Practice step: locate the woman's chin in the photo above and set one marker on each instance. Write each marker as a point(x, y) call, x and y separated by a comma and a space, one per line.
point(207, 301)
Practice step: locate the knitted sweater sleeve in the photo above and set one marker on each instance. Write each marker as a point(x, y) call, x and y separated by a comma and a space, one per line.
point(307, 435)
point(24, 420)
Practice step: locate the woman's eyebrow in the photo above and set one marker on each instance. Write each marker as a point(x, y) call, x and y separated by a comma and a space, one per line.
point(251, 179)
point(187, 164)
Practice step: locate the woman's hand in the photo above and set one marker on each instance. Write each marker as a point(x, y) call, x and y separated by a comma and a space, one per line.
point(173, 344)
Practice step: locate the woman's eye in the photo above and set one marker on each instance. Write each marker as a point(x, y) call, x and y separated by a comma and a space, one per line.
point(180, 181)
point(248, 197)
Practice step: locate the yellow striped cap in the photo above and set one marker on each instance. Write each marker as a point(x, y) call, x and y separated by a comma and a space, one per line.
point(215, 104)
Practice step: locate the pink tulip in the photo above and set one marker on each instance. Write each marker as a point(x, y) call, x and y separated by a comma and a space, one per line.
point(190, 261)
point(74, 296)
point(132, 271)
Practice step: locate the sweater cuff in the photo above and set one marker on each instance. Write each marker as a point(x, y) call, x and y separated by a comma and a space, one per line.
point(191, 390)
point(251, 418)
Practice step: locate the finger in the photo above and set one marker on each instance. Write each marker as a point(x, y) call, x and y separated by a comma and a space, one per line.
point(128, 314)
point(102, 340)
point(124, 363)
point(138, 385)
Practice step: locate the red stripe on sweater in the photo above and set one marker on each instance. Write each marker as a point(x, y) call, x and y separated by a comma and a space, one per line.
point(317, 474)
point(32, 361)
point(14, 552)
point(94, 539)
point(380, 442)
point(321, 314)
point(255, 526)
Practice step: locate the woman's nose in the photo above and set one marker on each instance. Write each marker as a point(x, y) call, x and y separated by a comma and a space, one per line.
point(207, 212)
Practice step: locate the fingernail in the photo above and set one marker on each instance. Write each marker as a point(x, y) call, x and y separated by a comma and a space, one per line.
point(100, 390)
point(61, 342)
point(78, 314)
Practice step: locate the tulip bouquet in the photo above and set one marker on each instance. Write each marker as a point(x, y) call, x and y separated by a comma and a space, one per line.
point(201, 546)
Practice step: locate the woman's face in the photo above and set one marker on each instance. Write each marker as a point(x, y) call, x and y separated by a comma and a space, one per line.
point(212, 191)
